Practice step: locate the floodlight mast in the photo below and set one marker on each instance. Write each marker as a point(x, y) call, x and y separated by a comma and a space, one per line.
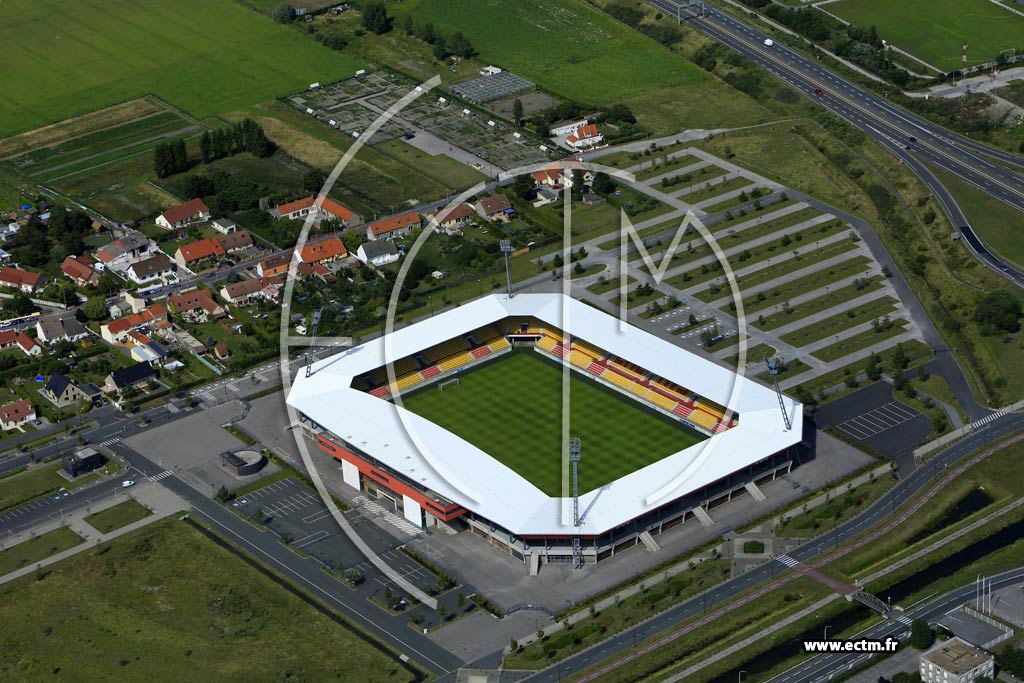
point(506, 248)
point(312, 341)
point(575, 449)
point(770, 362)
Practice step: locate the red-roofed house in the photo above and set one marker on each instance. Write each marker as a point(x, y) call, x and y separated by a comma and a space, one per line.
point(10, 339)
point(584, 137)
point(333, 209)
point(191, 254)
point(19, 279)
point(293, 210)
point(196, 306)
point(324, 251)
point(81, 270)
point(396, 226)
point(494, 208)
point(119, 331)
point(450, 221)
point(275, 265)
point(13, 415)
point(190, 212)
point(549, 176)
point(247, 291)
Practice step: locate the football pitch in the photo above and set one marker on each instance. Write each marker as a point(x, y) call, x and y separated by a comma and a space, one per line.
point(511, 408)
point(934, 30)
point(66, 57)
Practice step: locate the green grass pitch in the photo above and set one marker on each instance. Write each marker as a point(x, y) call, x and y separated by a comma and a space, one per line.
point(511, 409)
point(67, 57)
point(934, 30)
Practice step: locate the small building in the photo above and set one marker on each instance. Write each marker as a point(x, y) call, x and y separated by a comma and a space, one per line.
point(566, 127)
point(324, 251)
point(275, 265)
point(56, 329)
point(450, 221)
point(197, 306)
point(496, 207)
point(159, 266)
point(592, 199)
point(190, 212)
point(244, 462)
point(221, 352)
point(393, 227)
point(22, 280)
point(248, 291)
point(13, 415)
point(83, 461)
point(584, 137)
point(377, 252)
point(329, 208)
point(148, 352)
point(131, 376)
point(61, 391)
point(15, 339)
point(117, 331)
point(955, 661)
point(133, 246)
point(81, 270)
point(224, 226)
point(4, 256)
point(300, 208)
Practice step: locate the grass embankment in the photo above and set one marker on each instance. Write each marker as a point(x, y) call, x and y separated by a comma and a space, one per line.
point(37, 549)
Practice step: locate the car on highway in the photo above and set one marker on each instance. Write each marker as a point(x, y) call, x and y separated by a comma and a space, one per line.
point(126, 483)
point(819, 92)
point(768, 42)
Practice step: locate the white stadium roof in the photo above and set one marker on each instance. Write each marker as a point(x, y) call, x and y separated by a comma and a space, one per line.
point(439, 460)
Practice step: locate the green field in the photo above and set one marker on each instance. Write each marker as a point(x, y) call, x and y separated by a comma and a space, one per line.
point(67, 57)
point(165, 603)
point(118, 516)
point(512, 409)
point(37, 549)
point(934, 30)
point(565, 46)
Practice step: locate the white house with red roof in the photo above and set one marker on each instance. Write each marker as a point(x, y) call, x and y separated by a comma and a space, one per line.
point(300, 208)
point(395, 226)
point(13, 339)
point(328, 208)
point(249, 290)
point(178, 217)
point(584, 137)
point(452, 220)
point(324, 251)
point(22, 280)
point(13, 415)
point(81, 270)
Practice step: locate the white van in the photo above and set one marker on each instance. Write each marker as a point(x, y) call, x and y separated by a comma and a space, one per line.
point(768, 42)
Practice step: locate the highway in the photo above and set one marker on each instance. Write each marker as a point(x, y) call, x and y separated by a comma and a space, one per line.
point(873, 516)
point(912, 139)
point(830, 666)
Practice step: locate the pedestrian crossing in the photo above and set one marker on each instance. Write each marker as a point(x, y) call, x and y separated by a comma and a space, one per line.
point(161, 475)
point(171, 408)
point(110, 442)
point(372, 509)
point(988, 418)
point(787, 560)
point(905, 620)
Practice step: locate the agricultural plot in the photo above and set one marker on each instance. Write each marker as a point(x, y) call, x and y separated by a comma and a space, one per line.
point(935, 30)
point(66, 58)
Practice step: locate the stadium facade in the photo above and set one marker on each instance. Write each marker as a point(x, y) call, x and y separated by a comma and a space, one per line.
point(350, 408)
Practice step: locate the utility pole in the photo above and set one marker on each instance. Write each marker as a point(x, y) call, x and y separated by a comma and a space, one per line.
point(312, 341)
point(575, 449)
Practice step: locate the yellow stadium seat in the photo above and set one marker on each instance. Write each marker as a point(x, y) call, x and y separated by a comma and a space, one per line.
point(661, 401)
point(703, 419)
point(638, 389)
point(499, 344)
point(617, 379)
point(712, 409)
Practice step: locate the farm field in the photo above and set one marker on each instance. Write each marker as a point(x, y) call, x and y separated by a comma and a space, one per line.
point(140, 600)
point(934, 30)
point(487, 410)
point(65, 58)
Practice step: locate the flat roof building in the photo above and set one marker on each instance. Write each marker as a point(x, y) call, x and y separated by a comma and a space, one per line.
point(955, 661)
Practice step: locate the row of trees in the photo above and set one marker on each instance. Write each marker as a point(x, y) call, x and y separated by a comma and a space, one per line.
point(171, 157)
point(456, 44)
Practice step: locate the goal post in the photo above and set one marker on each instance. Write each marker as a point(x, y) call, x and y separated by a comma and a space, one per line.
point(447, 383)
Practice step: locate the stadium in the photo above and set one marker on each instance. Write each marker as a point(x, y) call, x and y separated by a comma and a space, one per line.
point(471, 429)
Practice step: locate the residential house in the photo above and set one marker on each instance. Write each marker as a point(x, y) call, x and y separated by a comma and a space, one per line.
point(159, 266)
point(196, 306)
point(584, 137)
point(133, 375)
point(125, 250)
point(149, 352)
point(496, 207)
point(377, 252)
point(329, 208)
point(14, 339)
point(224, 226)
point(452, 220)
point(189, 255)
point(294, 210)
point(275, 265)
point(544, 197)
point(566, 127)
point(325, 251)
point(53, 329)
point(591, 199)
point(13, 415)
point(190, 212)
point(153, 317)
point(19, 279)
point(4, 256)
point(393, 227)
point(236, 241)
point(61, 391)
point(552, 177)
point(81, 270)
point(247, 291)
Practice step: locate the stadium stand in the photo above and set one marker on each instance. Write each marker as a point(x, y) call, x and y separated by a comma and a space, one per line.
point(579, 358)
point(379, 392)
point(639, 389)
point(547, 344)
point(618, 380)
point(661, 401)
point(481, 351)
point(595, 368)
point(456, 361)
point(702, 419)
point(682, 410)
point(446, 349)
point(717, 411)
point(499, 344)
point(432, 371)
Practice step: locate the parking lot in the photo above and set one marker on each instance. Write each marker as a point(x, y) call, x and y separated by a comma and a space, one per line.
point(874, 417)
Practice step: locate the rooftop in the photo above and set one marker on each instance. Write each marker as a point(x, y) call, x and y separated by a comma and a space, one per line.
point(185, 211)
point(956, 656)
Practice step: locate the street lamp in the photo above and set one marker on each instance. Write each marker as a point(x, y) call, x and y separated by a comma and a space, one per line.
point(827, 627)
point(739, 675)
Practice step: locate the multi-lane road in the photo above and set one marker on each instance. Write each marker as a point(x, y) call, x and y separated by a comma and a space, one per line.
point(914, 140)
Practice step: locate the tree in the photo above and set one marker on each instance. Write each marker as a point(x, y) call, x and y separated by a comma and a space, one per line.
point(442, 613)
point(998, 312)
point(375, 17)
point(517, 111)
point(523, 186)
point(163, 160)
point(603, 184)
point(96, 308)
point(206, 147)
point(622, 114)
point(19, 304)
point(899, 358)
point(921, 635)
point(313, 180)
point(458, 44)
point(282, 14)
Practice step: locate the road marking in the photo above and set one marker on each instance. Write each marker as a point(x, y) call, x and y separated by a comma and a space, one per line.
point(161, 475)
point(787, 560)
